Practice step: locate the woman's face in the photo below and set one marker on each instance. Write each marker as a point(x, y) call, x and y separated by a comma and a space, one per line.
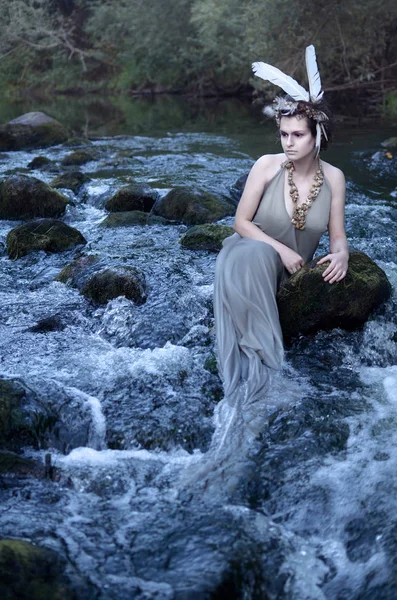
point(296, 138)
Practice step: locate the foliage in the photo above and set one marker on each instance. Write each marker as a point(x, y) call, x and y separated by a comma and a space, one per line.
point(199, 46)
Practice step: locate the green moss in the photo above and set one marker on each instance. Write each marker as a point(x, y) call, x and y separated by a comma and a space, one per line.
point(49, 235)
point(28, 572)
point(132, 217)
point(39, 162)
point(206, 237)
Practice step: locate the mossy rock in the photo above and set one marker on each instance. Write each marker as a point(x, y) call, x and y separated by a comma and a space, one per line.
point(132, 217)
point(135, 196)
point(50, 235)
point(15, 464)
point(77, 158)
point(23, 197)
point(206, 237)
point(32, 130)
point(40, 162)
point(192, 207)
point(77, 141)
point(15, 428)
point(77, 272)
point(390, 143)
point(308, 304)
point(112, 282)
point(237, 188)
point(71, 181)
point(28, 572)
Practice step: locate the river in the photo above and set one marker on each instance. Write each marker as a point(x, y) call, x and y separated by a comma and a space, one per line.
point(171, 495)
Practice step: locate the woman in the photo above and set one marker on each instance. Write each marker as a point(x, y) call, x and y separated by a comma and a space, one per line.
point(289, 201)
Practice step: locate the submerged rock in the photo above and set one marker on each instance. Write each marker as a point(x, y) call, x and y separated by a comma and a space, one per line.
point(55, 418)
point(71, 181)
point(40, 162)
point(192, 207)
point(31, 130)
point(135, 196)
point(206, 237)
point(101, 283)
point(112, 282)
point(28, 572)
point(12, 463)
point(77, 158)
point(308, 304)
point(46, 234)
point(51, 323)
point(132, 217)
point(23, 197)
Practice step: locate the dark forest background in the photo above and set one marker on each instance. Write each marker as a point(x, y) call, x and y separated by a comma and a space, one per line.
point(198, 47)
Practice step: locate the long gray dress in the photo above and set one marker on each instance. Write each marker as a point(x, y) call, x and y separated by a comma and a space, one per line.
point(248, 274)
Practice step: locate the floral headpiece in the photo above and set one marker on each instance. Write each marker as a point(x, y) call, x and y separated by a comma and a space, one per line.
point(303, 102)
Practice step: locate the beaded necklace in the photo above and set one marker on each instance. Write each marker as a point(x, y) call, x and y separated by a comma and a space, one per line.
point(300, 211)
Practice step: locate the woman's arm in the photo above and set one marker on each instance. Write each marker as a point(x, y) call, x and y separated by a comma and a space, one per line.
point(339, 254)
point(260, 174)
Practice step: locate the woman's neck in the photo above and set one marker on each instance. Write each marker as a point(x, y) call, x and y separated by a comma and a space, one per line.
point(306, 166)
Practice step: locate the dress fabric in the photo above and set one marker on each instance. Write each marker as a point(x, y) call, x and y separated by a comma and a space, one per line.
point(247, 276)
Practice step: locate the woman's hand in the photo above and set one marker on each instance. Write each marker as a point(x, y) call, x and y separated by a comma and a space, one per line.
point(337, 268)
point(291, 260)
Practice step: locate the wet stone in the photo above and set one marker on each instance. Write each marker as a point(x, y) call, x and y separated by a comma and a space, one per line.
point(49, 235)
point(206, 237)
point(73, 180)
point(31, 130)
point(23, 197)
point(133, 197)
point(192, 207)
point(77, 158)
point(131, 218)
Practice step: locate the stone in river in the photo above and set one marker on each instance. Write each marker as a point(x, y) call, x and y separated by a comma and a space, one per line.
point(206, 237)
point(73, 180)
point(132, 217)
point(31, 130)
point(192, 207)
point(112, 282)
point(135, 196)
point(23, 197)
point(50, 235)
point(80, 157)
point(40, 162)
point(29, 572)
point(308, 304)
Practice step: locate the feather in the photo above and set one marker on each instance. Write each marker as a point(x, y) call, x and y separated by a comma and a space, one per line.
point(313, 75)
point(274, 75)
point(318, 138)
point(324, 132)
point(269, 111)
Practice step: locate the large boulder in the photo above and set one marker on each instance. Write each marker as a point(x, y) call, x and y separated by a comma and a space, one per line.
point(23, 197)
point(28, 572)
point(46, 234)
point(132, 217)
point(192, 207)
point(308, 304)
point(135, 196)
point(101, 283)
point(206, 237)
point(73, 180)
point(16, 427)
point(31, 130)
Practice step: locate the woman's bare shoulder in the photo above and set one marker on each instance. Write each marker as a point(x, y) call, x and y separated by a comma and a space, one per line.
point(333, 174)
point(269, 164)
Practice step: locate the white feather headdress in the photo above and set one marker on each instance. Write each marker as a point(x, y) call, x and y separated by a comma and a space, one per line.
point(296, 91)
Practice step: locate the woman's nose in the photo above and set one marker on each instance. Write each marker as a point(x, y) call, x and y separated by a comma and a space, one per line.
point(289, 140)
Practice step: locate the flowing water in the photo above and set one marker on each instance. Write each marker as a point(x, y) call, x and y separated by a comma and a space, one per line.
point(160, 491)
